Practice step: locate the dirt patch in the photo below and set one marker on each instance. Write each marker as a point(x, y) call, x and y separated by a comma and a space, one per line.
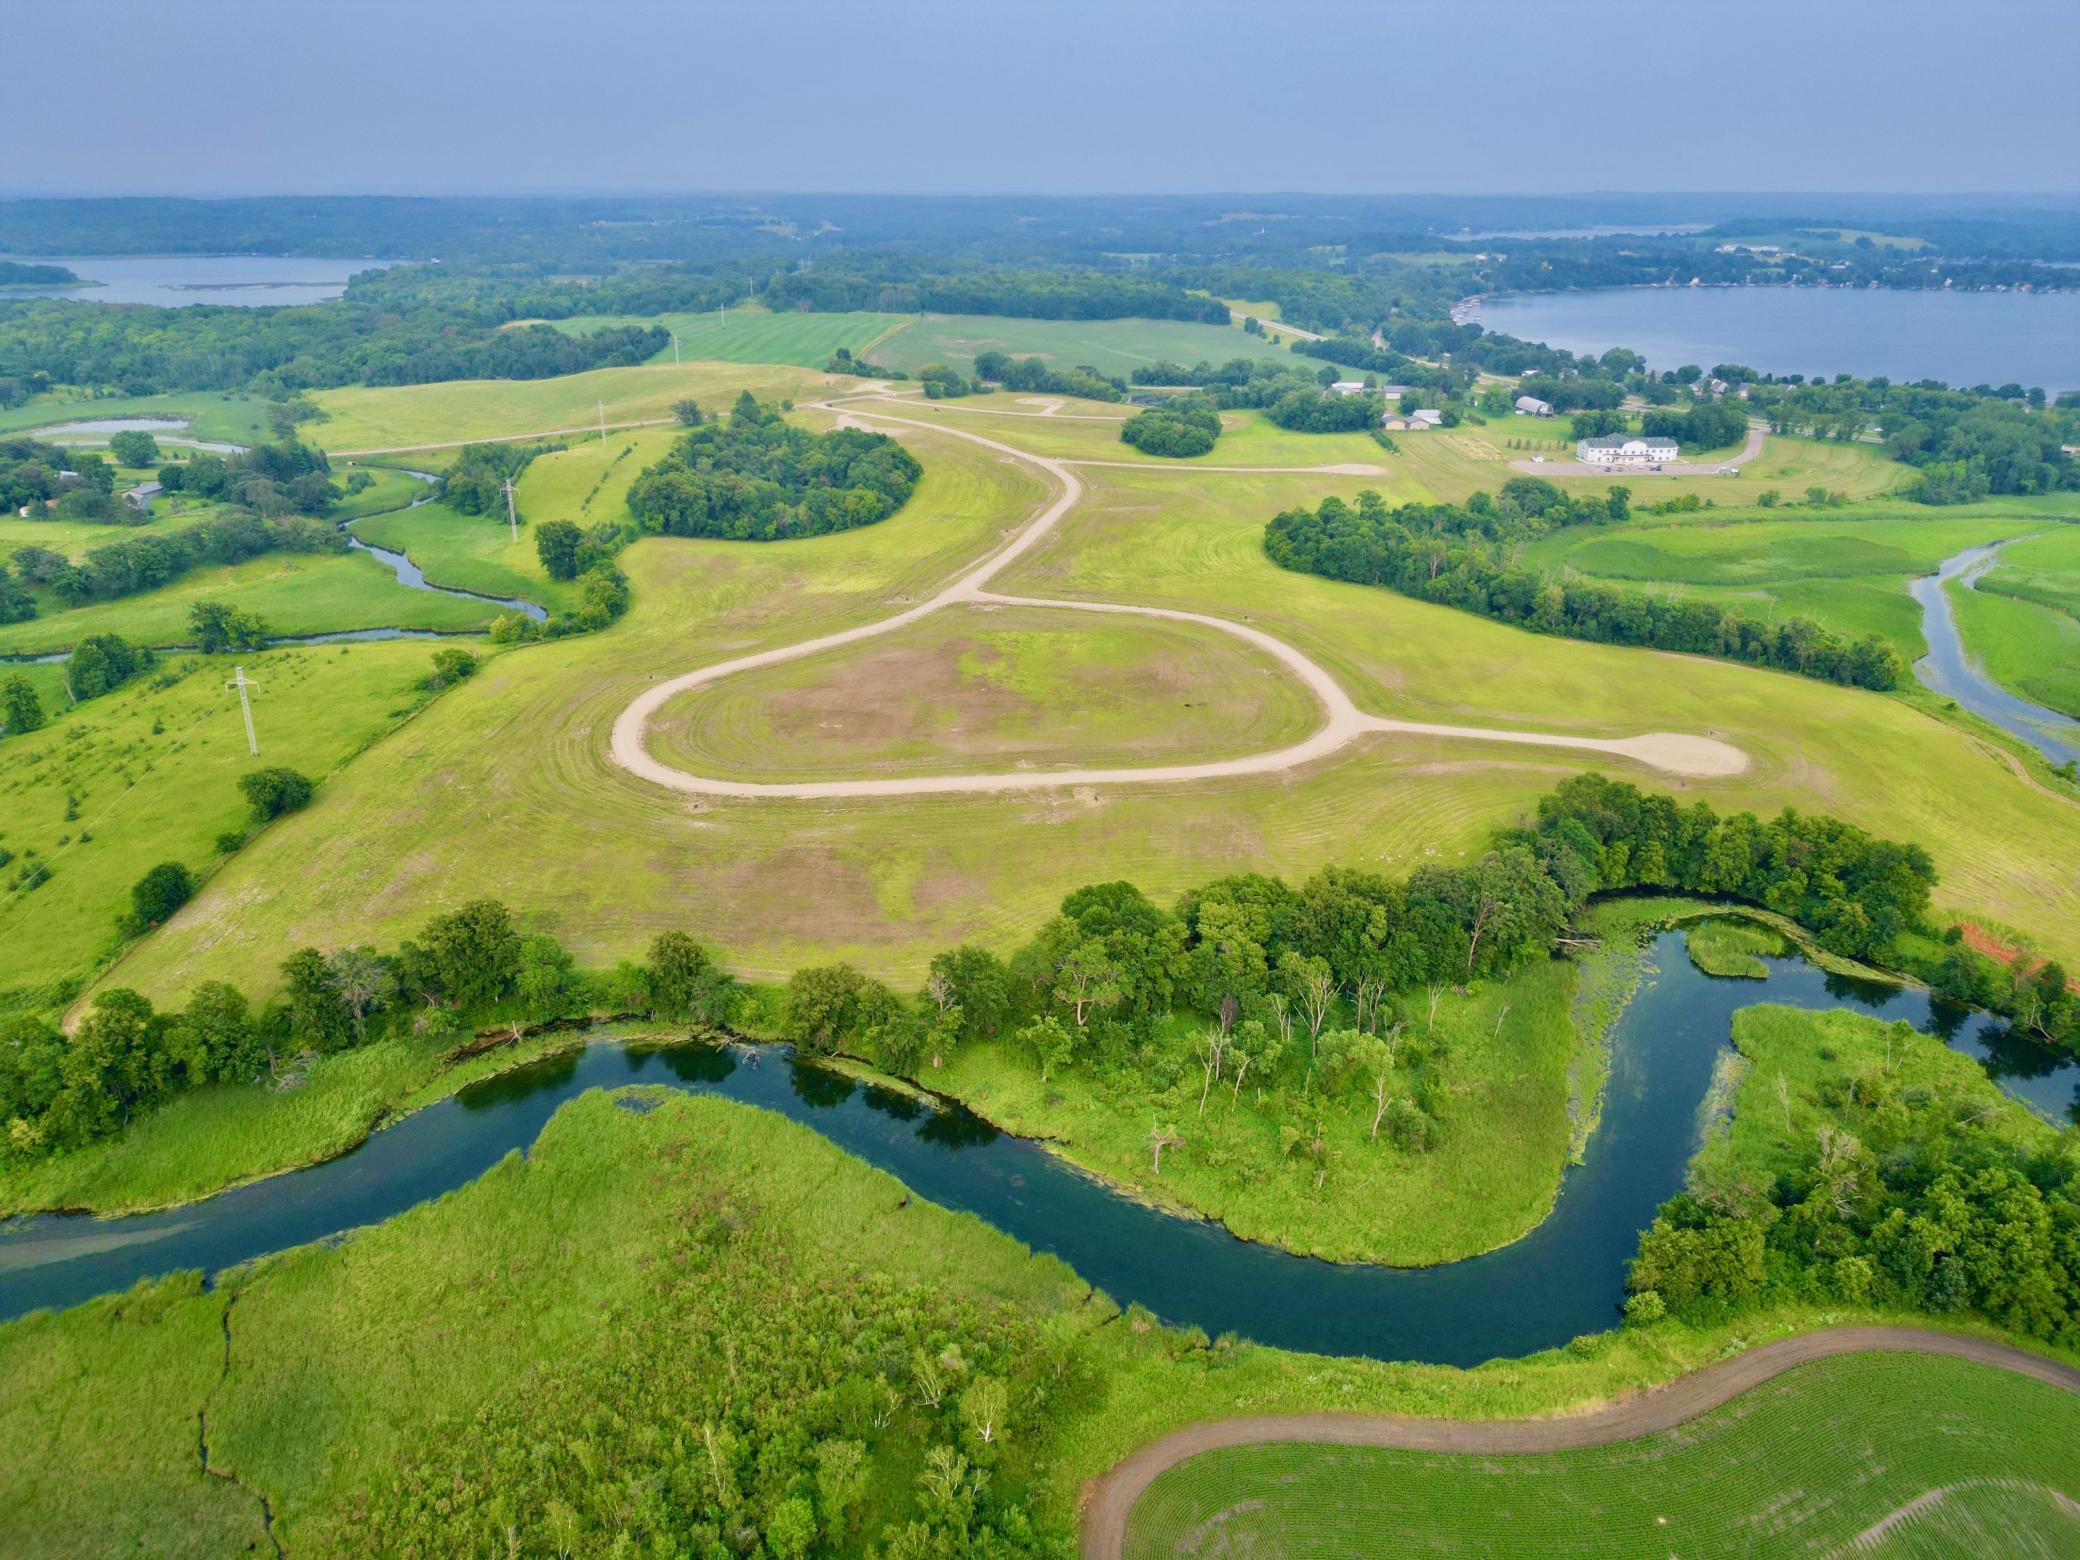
point(1980, 940)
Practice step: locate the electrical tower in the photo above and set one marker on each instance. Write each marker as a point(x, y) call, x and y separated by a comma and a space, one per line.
point(245, 702)
point(512, 515)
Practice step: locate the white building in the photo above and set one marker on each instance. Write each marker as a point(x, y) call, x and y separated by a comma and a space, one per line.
point(1622, 449)
point(1349, 387)
point(1428, 417)
point(1532, 406)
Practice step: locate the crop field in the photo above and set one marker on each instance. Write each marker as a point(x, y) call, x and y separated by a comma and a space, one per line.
point(887, 881)
point(456, 411)
point(149, 773)
point(1801, 1465)
point(754, 335)
point(1846, 572)
point(1109, 346)
point(991, 688)
point(2031, 648)
point(296, 593)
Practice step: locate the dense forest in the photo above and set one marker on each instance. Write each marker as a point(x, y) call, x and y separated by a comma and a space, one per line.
point(1460, 556)
point(754, 477)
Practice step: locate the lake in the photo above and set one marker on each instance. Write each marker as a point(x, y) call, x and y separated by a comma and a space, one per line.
point(172, 281)
point(1960, 338)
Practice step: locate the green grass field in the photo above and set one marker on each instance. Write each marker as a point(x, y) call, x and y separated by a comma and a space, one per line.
point(2044, 568)
point(469, 552)
point(886, 882)
point(1801, 1465)
point(295, 593)
point(219, 416)
point(755, 335)
point(456, 411)
point(1109, 346)
point(1846, 570)
point(151, 773)
point(2021, 620)
point(993, 688)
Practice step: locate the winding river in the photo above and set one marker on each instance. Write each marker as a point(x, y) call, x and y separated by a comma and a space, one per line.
point(1950, 671)
point(1564, 1278)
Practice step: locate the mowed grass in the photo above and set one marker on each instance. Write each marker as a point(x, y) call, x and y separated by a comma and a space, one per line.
point(506, 789)
point(2033, 649)
point(976, 688)
point(1508, 1049)
point(294, 593)
point(1109, 346)
point(1441, 458)
point(456, 411)
point(152, 775)
point(1866, 757)
point(1803, 1464)
point(1846, 572)
point(754, 335)
point(217, 416)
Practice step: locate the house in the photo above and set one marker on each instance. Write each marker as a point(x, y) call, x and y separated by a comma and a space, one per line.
point(1532, 406)
point(1625, 449)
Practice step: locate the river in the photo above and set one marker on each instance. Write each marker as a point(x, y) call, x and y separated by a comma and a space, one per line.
point(1563, 1279)
point(1961, 338)
point(1950, 671)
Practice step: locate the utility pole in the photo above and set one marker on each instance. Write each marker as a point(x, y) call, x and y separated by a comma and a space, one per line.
point(723, 310)
point(602, 421)
point(242, 682)
point(512, 516)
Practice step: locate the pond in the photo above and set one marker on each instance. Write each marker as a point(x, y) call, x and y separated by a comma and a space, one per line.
point(95, 430)
point(1948, 670)
point(1960, 338)
point(1563, 1279)
point(174, 281)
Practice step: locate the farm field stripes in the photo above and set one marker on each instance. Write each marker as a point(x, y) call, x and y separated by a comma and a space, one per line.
point(1806, 1444)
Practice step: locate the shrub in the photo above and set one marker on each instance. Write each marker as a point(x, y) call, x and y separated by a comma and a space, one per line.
point(272, 792)
point(159, 893)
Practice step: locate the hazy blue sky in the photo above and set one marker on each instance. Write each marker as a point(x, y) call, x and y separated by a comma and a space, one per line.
point(321, 96)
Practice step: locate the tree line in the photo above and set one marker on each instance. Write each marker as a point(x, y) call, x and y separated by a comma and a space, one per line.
point(475, 483)
point(1017, 292)
point(755, 477)
point(1033, 376)
point(1459, 556)
point(148, 561)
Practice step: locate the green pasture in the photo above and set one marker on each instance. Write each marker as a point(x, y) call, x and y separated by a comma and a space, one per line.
point(1803, 1464)
point(468, 552)
point(2031, 648)
point(1845, 570)
point(754, 335)
point(1507, 1057)
point(220, 416)
point(406, 417)
point(886, 882)
point(985, 688)
point(1109, 346)
point(295, 593)
point(150, 773)
point(2044, 568)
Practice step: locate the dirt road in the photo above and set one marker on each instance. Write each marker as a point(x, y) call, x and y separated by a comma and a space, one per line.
point(1110, 1498)
point(1343, 722)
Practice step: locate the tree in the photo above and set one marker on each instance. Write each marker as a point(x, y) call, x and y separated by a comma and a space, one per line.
point(474, 953)
point(133, 447)
point(556, 543)
point(1161, 1135)
point(684, 980)
point(689, 413)
point(318, 1016)
point(273, 791)
point(833, 1006)
point(1050, 1044)
point(218, 628)
point(213, 1040)
point(364, 983)
point(1309, 982)
point(973, 984)
point(1086, 981)
point(450, 666)
point(161, 891)
point(20, 709)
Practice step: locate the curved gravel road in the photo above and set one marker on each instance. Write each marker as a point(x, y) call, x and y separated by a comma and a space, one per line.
point(1343, 722)
point(1111, 1497)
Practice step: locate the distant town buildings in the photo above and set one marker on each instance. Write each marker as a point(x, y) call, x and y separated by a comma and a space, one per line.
point(1623, 449)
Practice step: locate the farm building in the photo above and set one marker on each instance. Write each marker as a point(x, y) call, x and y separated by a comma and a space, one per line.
point(1532, 406)
point(1621, 449)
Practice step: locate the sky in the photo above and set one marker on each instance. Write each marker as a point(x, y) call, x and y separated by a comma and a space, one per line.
point(1038, 96)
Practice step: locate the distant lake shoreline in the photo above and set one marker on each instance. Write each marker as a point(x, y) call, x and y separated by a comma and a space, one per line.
point(1961, 338)
point(178, 281)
